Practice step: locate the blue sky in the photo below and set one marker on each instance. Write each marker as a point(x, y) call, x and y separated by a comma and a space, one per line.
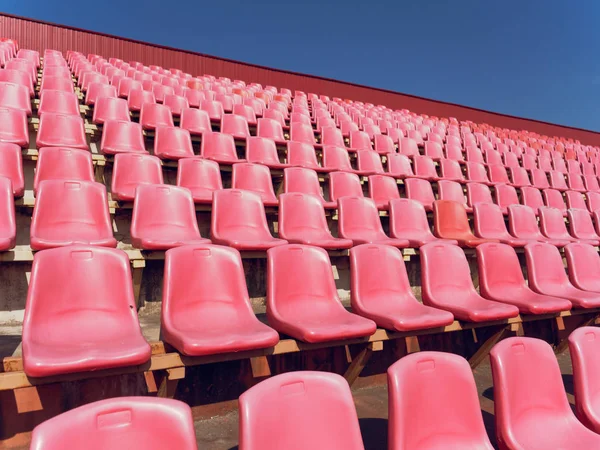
point(536, 59)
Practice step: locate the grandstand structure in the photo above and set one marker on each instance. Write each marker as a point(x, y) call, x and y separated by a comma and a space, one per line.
point(176, 242)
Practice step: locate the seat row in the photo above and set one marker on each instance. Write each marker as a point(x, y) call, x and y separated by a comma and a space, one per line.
point(90, 323)
point(433, 403)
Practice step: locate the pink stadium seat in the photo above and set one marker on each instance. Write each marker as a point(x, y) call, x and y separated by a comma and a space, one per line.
point(309, 410)
point(575, 182)
point(451, 170)
point(195, 121)
point(501, 279)
point(58, 102)
point(122, 137)
point(99, 90)
point(304, 181)
point(474, 155)
point(382, 189)
point(523, 225)
point(110, 108)
point(532, 410)
point(15, 96)
point(557, 181)
point(451, 190)
point(408, 147)
point(539, 179)
point(160, 91)
point(138, 97)
point(130, 170)
point(344, 184)
point(263, 151)
point(451, 222)
point(301, 132)
point(425, 168)
point(519, 177)
point(454, 152)
point(583, 347)
point(421, 191)
point(433, 150)
point(547, 276)
point(478, 193)
point(172, 143)
point(245, 111)
point(359, 221)
point(505, 196)
point(237, 126)
point(545, 164)
point(119, 423)
point(581, 225)
point(360, 140)
point(398, 166)
point(201, 176)
point(593, 201)
point(90, 323)
point(408, 221)
point(554, 199)
point(254, 178)
point(552, 225)
point(332, 136)
point(14, 128)
point(381, 291)
point(583, 262)
point(448, 415)
point(591, 183)
point(239, 221)
point(8, 226)
point(510, 160)
point(271, 129)
point(384, 144)
point(71, 212)
point(532, 197)
point(476, 173)
point(192, 321)
point(163, 217)
point(489, 224)
point(573, 167)
point(498, 174)
point(17, 77)
point(575, 200)
point(302, 221)
point(11, 167)
point(23, 65)
point(58, 163)
point(313, 284)
point(369, 162)
point(154, 115)
point(194, 97)
point(337, 159)
point(219, 147)
point(446, 284)
point(126, 85)
point(176, 103)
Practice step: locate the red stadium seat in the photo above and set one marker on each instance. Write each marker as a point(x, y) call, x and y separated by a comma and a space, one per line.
point(122, 137)
point(505, 196)
point(254, 178)
point(478, 193)
point(447, 284)
point(201, 176)
point(575, 182)
point(8, 225)
point(163, 217)
point(11, 167)
point(15, 96)
point(312, 284)
point(384, 144)
point(359, 221)
point(408, 147)
point(498, 174)
point(590, 181)
point(368, 162)
point(539, 179)
point(110, 108)
point(154, 115)
point(192, 321)
point(557, 181)
point(581, 225)
point(17, 77)
point(547, 276)
point(126, 85)
point(237, 126)
point(454, 152)
point(451, 190)
point(194, 97)
point(552, 225)
point(219, 147)
point(451, 222)
point(337, 159)
point(58, 102)
point(176, 103)
point(519, 177)
point(532, 409)
point(57, 163)
point(382, 189)
point(302, 221)
point(433, 150)
point(523, 225)
point(119, 423)
point(14, 128)
point(332, 136)
point(476, 173)
point(575, 200)
point(308, 410)
point(245, 111)
point(130, 170)
point(448, 414)
point(99, 90)
point(239, 221)
point(301, 132)
point(91, 325)
point(195, 121)
point(532, 197)
point(271, 129)
point(408, 221)
point(303, 155)
point(360, 140)
point(304, 181)
point(172, 143)
point(421, 191)
point(90, 77)
point(263, 151)
point(425, 168)
point(554, 199)
point(583, 262)
point(583, 347)
point(138, 97)
point(573, 167)
point(451, 170)
point(344, 184)
point(489, 224)
point(593, 201)
point(398, 166)
point(71, 212)
point(23, 65)
point(381, 291)
point(213, 108)
point(160, 91)
point(501, 279)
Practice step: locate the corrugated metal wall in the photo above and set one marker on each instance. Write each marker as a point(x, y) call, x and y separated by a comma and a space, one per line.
point(39, 36)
